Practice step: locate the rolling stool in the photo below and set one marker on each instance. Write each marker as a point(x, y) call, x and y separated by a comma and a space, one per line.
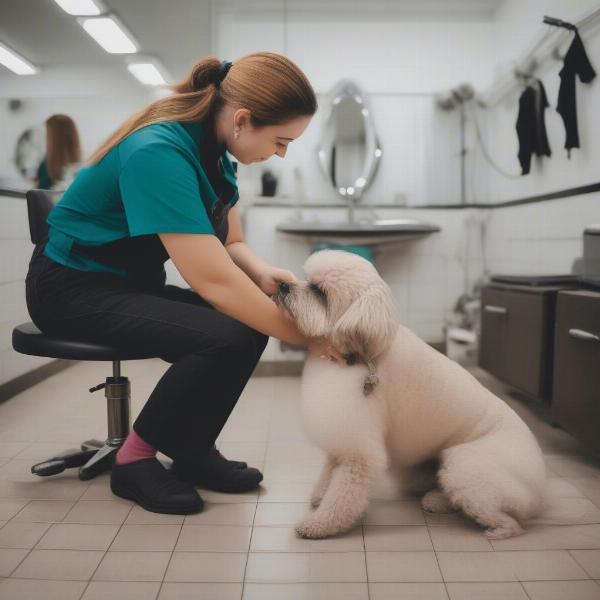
point(95, 457)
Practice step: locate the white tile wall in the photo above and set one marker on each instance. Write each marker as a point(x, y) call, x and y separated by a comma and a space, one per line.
point(15, 252)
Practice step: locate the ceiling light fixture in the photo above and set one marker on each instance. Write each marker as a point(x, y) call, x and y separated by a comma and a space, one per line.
point(15, 62)
point(110, 33)
point(81, 7)
point(147, 70)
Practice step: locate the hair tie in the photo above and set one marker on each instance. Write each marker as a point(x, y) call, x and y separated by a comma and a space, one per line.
point(222, 73)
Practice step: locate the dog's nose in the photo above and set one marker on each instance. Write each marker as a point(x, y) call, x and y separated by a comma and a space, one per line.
point(284, 288)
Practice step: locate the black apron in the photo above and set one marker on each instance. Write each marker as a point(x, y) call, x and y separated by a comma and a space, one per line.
point(144, 256)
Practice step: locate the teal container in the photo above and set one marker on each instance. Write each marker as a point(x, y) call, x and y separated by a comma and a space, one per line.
point(363, 251)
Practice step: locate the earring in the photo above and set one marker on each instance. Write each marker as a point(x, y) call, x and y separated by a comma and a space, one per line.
point(236, 135)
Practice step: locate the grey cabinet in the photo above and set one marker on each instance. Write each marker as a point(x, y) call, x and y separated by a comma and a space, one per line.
point(517, 329)
point(576, 394)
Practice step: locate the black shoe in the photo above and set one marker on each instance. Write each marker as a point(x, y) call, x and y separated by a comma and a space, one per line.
point(215, 472)
point(154, 488)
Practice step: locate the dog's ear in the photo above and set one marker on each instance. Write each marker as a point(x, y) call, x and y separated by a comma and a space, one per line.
point(368, 326)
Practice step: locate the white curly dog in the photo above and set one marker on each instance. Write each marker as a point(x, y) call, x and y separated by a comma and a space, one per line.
point(401, 406)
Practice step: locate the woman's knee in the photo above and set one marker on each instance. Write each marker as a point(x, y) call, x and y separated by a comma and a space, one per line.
point(241, 340)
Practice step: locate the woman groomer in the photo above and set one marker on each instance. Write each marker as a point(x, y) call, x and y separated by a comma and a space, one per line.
point(162, 187)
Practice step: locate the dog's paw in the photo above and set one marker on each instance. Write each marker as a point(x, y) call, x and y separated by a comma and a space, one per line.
point(501, 533)
point(435, 501)
point(313, 529)
point(315, 501)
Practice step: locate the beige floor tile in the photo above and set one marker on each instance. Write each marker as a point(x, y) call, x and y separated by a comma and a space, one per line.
point(12, 449)
point(509, 566)
point(569, 511)
point(206, 566)
point(121, 590)
point(548, 537)
point(589, 560)
point(389, 538)
point(486, 591)
point(306, 591)
point(562, 590)
point(221, 498)
point(279, 473)
point(285, 491)
point(565, 465)
point(61, 488)
point(562, 488)
point(34, 589)
point(99, 489)
point(200, 591)
point(402, 566)
point(284, 539)
point(9, 559)
point(306, 567)
point(98, 512)
point(146, 537)
point(9, 508)
point(44, 511)
point(72, 536)
point(21, 535)
point(589, 486)
point(456, 538)
point(407, 591)
point(73, 565)
point(394, 513)
point(280, 514)
point(214, 538)
point(452, 519)
point(223, 514)
point(140, 516)
point(133, 566)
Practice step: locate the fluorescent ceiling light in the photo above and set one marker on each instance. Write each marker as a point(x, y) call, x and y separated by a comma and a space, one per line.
point(17, 64)
point(80, 7)
point(147, 73)
point(110, 34)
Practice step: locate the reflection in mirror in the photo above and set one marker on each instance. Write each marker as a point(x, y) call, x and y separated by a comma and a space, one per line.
point(349, 151)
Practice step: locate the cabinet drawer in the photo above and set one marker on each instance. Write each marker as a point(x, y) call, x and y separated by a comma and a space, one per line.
point(576, 398)
point(516, 337)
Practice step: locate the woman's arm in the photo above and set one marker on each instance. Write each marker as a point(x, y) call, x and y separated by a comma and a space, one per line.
point(210, 271)
point(240, 252)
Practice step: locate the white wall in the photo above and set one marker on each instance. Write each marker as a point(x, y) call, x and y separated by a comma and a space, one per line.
point(400, 60)
point(97, 99)
point(517, 25)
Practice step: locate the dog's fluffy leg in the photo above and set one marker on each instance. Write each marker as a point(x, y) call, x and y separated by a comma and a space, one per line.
point(473, 485)
point(435, 501)
point(323, 482)
point(345, 500)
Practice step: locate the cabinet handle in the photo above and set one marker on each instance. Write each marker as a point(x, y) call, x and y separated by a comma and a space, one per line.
point(500, 310)
point(580, 334)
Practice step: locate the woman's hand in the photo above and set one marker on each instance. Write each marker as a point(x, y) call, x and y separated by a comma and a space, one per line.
point(323, 349)
point(271, 277)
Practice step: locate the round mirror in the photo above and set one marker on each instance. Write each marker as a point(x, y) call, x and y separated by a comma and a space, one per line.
point(349, 151)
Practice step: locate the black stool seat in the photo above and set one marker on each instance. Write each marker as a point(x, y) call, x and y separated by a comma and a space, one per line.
point(28, 339)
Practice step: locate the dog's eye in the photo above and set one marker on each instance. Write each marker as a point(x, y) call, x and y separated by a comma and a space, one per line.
point(318, 291)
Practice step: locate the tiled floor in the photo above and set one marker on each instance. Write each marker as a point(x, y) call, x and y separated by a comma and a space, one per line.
point(63, 539)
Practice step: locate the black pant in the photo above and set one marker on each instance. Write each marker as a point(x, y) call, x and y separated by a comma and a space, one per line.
point(212, 355)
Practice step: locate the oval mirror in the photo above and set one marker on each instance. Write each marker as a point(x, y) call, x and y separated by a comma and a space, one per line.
point(349, 151)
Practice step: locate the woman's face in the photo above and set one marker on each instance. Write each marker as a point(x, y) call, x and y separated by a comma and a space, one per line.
point(257, 144)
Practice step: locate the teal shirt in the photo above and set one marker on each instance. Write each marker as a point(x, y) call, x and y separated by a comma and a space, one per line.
point(43, 177)
point(151, 182)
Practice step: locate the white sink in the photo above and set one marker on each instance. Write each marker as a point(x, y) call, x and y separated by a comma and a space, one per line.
point(367, 233)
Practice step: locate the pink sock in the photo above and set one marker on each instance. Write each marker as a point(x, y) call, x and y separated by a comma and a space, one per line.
point(134, 448)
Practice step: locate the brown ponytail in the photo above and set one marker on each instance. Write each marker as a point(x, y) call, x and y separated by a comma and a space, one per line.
point(269, 85)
